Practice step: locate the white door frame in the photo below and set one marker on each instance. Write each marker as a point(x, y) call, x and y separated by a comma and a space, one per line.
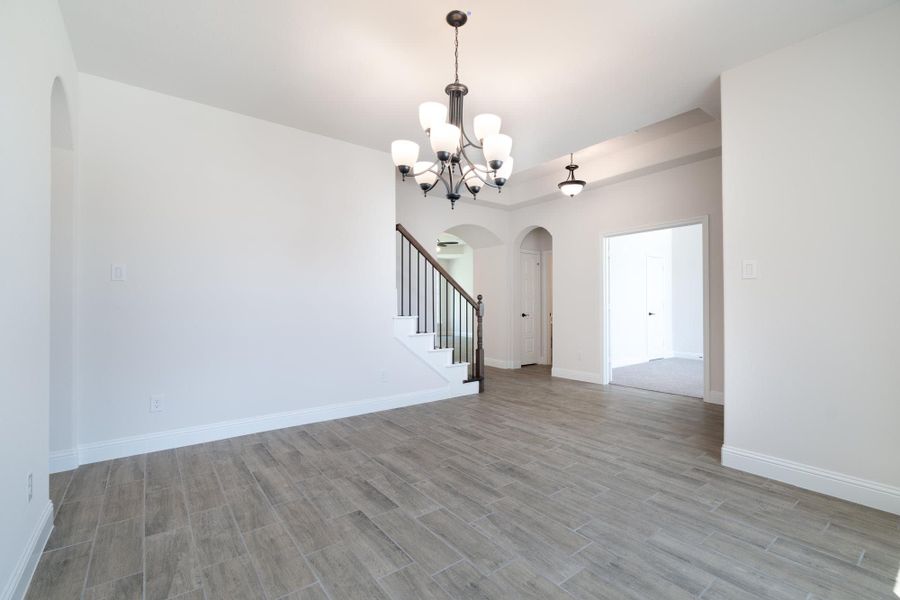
point(604, 316)
point(539, 313)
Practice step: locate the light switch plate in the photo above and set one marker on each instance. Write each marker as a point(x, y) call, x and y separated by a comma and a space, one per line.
point(748, 269)
point(118, 272)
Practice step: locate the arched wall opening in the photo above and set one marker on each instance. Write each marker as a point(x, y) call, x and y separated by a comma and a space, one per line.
point(532, 297)
point(61, 425)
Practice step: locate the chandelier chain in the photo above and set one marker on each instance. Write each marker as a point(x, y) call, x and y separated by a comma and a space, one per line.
point(456, 54)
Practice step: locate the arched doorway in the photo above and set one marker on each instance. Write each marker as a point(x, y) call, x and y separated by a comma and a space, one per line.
point(62, 272)
point(533, 300)
point(470, 253)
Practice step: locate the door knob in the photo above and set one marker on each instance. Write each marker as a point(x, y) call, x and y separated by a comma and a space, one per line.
point(651, 314)
point(524, 315)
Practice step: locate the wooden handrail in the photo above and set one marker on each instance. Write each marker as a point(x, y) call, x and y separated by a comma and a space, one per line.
point(434, 263)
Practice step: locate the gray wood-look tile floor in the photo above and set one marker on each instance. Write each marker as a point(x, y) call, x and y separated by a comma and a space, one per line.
point(540, 488)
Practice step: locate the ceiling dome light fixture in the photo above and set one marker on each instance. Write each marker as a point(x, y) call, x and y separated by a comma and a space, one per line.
point(449, 141)
point(571, 187)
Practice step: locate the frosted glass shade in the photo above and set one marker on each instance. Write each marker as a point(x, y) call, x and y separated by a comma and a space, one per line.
point(504, 171)
point(571, 188)
point(424, 176)
point(497, 147)
point(404, 153)
point(444, 138)
point(431, 113)
point(486, 125)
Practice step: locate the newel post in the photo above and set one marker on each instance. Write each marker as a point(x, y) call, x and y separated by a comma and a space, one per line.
point(479, 349)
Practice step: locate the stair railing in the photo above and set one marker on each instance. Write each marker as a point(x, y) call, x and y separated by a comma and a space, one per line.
point(427, 291)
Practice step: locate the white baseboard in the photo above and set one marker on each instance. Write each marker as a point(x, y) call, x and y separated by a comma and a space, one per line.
point(691, 355)
point(861, 491)
point(499, 363)
point(715, 397)
point(21, 576)
point(186, 436)
point(63, 460)
point(586, 376)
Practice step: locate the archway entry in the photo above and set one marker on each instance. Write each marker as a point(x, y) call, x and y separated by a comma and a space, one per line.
point(469, 253)
point(534, 298)
point(62, 268)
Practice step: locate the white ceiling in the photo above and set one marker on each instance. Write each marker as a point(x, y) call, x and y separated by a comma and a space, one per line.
point(563, 75)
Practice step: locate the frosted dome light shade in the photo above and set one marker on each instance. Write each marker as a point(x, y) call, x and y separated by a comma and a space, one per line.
point(497, 147)
point(404, 152)
point(571, 188)
point(506, 170)
point(431, 113)
point(486, 125)
point(425, 175)
point(444, 138)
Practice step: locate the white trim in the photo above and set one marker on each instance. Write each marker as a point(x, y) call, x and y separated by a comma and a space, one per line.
point(862, 491)
point(688, 355)
point(715, 397)
point(63, 460)
point(21, 576)
point(546, 302)
point(539, 329)
point(702, 220)
point(586, 376)
point(499, 363)
point(186, 436)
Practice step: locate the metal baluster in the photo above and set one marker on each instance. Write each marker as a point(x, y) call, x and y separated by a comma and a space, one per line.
point(400, 291)
point(409, 276)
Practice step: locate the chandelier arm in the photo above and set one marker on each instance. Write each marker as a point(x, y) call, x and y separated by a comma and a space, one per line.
point(430, 167)
point(469, 142)
point(477, 171)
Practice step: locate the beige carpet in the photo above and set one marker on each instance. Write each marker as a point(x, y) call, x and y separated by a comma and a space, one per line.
point(682, 376)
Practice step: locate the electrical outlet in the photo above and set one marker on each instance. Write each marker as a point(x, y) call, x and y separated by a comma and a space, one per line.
point(118, 272)
point(29, 486)
point(156, 402)
point(383, 375)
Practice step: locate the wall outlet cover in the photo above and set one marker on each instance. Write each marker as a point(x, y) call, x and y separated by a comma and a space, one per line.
point(749, 269)
point(118, 272)
point(156, 402)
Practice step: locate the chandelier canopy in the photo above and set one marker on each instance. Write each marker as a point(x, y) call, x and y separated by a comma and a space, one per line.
point(452, 165)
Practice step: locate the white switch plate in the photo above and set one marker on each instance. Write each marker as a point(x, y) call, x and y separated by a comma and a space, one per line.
point(118, 272)
point(748, 269)
point(29, 486)
point(156, 402)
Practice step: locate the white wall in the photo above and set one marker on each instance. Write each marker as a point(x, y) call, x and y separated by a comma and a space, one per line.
point(34, 49)
point(811, 138)
point(628, 295)
point(687, 291)
point(578, 226)
point(254, 286)
point(62, 285)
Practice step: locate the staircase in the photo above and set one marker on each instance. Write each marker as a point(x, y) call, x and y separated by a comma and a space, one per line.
point(438, 320)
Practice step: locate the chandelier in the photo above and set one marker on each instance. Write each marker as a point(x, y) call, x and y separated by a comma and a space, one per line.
point(452, 166)
point(571, 187)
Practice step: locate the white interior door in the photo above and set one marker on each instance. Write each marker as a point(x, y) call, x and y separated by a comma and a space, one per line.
point(656, 273)
point(530, 270)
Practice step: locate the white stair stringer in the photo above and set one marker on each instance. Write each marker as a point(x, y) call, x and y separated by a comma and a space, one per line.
point(439, 359)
